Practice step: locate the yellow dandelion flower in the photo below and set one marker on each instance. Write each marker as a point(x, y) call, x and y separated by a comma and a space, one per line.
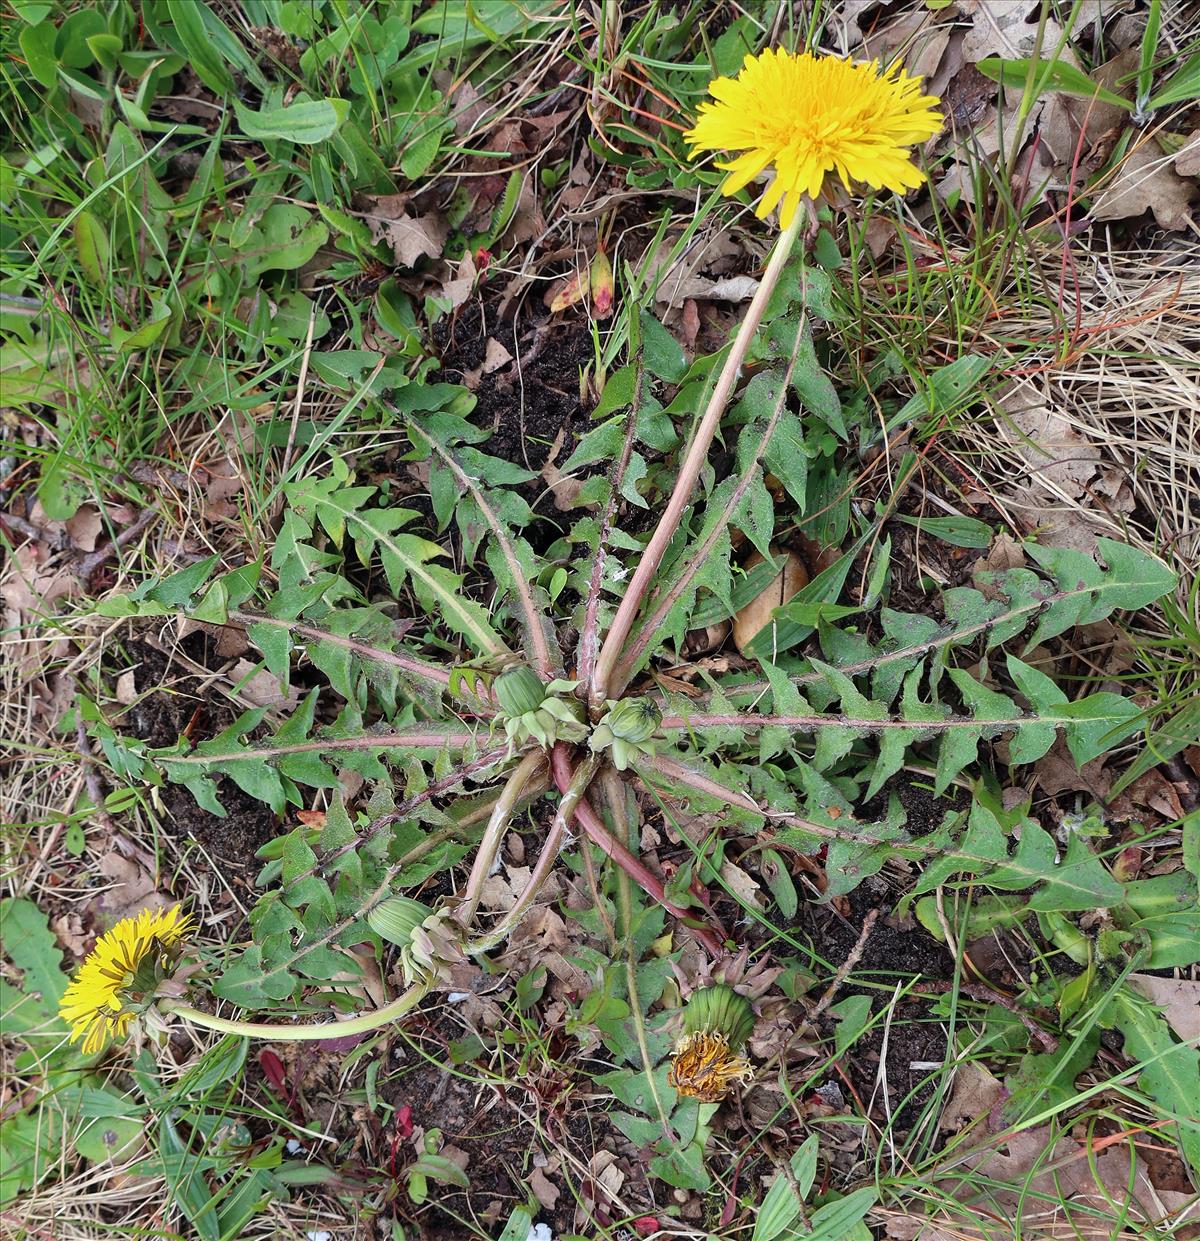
point(121, 969)
point(805, 116)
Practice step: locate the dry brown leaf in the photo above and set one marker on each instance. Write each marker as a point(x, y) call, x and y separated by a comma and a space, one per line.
point(564, 487)
point(756, 615)
point(411, 238)
point(132, 890)
point(742, 885)
point(1006, 28)
point(457, 291)
point(1179, 998)
point(1057, 772)
point(975, 1093)
point(260, 688)
point(1187, 158)
point(544, 1189)
point(1004, 553)
point(1145, 182)
point(84, 528)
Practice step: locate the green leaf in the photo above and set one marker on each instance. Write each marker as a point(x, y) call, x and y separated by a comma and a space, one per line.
point(106, 1125)
point(663, 353)
point(305, 123)
point(31, 946)
point(197, 45)
point(30, 1145)
point(1181, 87)
point(780, 1208)
point(1170, 1070)
point(149, 332)
point(833, 1221)
point(1048, 76)
point(957, 531)
point(1075, 881)
point(37, 46)
point(815, 389)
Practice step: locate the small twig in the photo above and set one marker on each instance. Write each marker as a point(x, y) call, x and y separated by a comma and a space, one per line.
point(89, 564)
point(843, 970)
point(28, 529)
point(986, 995)
point(91, 777)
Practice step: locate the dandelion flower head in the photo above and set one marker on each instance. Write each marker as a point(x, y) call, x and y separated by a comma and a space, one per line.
point(120, 969)
point(805, 116)
point(704, 1066)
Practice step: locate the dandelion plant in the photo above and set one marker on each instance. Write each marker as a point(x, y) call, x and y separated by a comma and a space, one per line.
point(471, 714)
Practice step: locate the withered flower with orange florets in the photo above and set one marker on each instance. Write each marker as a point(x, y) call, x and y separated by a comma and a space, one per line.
point(706, 1061)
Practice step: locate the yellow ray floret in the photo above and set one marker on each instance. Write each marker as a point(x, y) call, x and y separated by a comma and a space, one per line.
point(805, 116)
point(704, 1067)
point(93, 1004)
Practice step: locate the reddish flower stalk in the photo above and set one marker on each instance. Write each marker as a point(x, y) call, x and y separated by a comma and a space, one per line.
point(593, 827)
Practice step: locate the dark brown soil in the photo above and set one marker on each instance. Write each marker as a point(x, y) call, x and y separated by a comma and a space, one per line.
point(531, 401)
point(493, 1125)
point(894, 951)
point(181, 706)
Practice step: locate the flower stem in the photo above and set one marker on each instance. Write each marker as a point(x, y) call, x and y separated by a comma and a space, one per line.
point(501, 814)
point(593, 827)
point(689, 471)
point(280, 1032)
point(546, 859)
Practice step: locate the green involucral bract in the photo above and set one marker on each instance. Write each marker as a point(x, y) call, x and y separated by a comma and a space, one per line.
point(536, 711)
point(627, 729)
point(430, 943)
point(719, 1010)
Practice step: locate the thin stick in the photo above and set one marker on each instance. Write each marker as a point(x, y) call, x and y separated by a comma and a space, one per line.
point(843, 970)
point(689, 471)
point(89, 564)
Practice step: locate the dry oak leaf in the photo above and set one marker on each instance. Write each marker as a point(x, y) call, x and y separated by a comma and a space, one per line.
point(410, 237)
point(1145, 182)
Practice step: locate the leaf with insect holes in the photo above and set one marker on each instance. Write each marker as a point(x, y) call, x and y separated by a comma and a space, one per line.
point(1075, 880)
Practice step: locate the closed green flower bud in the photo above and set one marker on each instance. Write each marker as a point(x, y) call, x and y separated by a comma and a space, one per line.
point(396, 918)
point(556, 715)
point(634, 719)
point(519, 691)
point(627, 730)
